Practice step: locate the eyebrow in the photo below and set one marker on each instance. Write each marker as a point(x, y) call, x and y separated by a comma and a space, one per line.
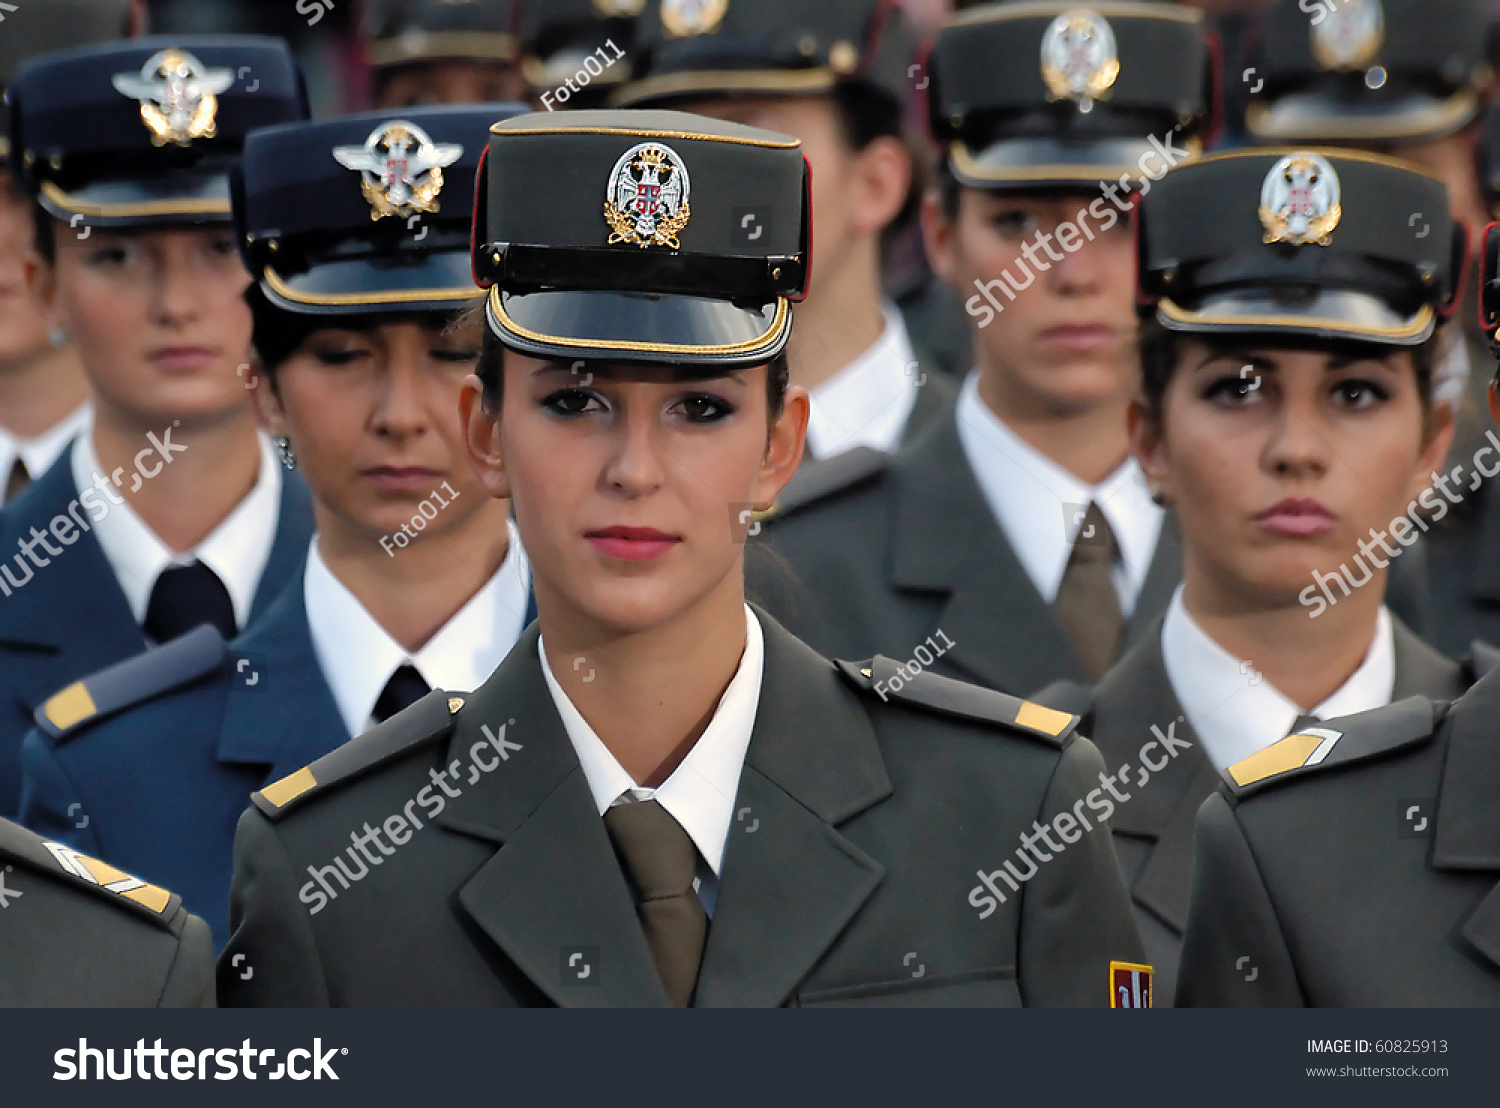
point(1264, 364)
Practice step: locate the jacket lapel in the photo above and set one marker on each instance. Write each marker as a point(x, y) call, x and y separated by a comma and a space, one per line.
point(288, 718)
point(944, 538)
point(294, 531)
point(74, 608)
point(554, 882)
point(1134, 697)
point(791, 882)
point(1467, 836)
point(1421, 670)
point(1162, 578)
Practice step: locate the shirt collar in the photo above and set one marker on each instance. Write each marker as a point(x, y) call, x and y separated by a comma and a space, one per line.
point(868, 402)
point(237, 550)
point(700, 792)
point(358, 656)
point(1234, 710)
point(40, 452)
point(1036, 501)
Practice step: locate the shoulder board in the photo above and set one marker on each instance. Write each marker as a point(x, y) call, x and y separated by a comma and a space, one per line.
point(1482, 658)
point(133, 681)
point(820, 479)
point(891, 680)
point(89, 874)
point(1343, 741)
point(429, 718)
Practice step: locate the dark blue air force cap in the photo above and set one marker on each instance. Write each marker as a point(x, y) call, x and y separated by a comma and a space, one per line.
point(141, 133)
point(367, 213)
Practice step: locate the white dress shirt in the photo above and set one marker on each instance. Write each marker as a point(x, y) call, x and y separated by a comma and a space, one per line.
point(38, 453)
point(700, 793)
point(358, 656)
point(1037, 503)
point(868, 402)
point(1235, 710)
point(237, 550)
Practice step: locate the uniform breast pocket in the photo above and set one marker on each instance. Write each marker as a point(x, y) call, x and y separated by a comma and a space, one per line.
point(984, 988)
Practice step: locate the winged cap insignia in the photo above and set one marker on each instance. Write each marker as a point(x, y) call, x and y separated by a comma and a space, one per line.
point(401, 168)
point(179, 96)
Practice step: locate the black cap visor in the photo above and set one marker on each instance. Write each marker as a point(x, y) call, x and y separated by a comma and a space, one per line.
point(354, 286)
point(1042, 162)
point(640, 327)
point(177, 198)
point(1325, 314)
point(1320, 117)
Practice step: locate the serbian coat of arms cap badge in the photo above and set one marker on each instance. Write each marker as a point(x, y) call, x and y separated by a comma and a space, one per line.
point(647, 202)
point(1080, 60)
point(1299, 201)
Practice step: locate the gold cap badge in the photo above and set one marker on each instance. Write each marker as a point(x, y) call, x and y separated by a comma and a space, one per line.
point(647, 203)
point(179, 97)
point(1350, 35)
point(1079, 58)
point(1299, 201)
point(685, 18)
point(401, 168)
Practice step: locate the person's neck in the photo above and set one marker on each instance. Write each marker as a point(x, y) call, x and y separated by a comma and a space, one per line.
point(649, 695)
point(840, 320)
point(214, 463)
point(414, 592)
point(1090, 443)
point(39, 391)
point(1307, 660)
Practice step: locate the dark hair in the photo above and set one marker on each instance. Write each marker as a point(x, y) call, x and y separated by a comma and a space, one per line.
point(278, 334)
point(1161, 349)
point(491, 368)
point(44, 228)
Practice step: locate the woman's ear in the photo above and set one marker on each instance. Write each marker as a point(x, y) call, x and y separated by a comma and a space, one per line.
point(41, 282)
point(481, 431)
point(784, 449)
point(1148, 445)
point(937, 236)
point(269, 415)
point(1440, 428)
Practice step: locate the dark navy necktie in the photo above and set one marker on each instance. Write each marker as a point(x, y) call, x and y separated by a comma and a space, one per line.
point(184, 597)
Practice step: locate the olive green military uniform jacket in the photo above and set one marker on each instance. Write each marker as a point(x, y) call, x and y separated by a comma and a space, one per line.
point(1358, 872)
point(77, 933)
point(867, 553)
point(1154, 829)
point(860, 825)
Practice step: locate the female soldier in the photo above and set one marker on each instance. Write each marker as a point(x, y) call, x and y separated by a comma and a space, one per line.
point(655, 754)
point(414, 579)
point(1288, 417)
point(172, 510)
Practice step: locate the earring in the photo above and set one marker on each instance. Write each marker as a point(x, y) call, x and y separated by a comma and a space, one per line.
point(1158, 498)
point(288, 455)
point(57, 337)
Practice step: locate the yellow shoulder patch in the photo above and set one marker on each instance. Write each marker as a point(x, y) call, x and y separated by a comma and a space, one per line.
point(1049, 721)
point(289, 788)
point(109, 878)
point(70, 707)
point(1303, 748)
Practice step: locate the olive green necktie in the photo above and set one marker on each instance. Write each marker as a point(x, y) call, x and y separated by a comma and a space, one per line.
point(1086, 604)
point(16, 483)
point(660, 859)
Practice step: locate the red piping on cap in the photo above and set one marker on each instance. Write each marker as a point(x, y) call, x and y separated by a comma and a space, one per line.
point(480, 190)
point(1484, 253)
point(1216, 108)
